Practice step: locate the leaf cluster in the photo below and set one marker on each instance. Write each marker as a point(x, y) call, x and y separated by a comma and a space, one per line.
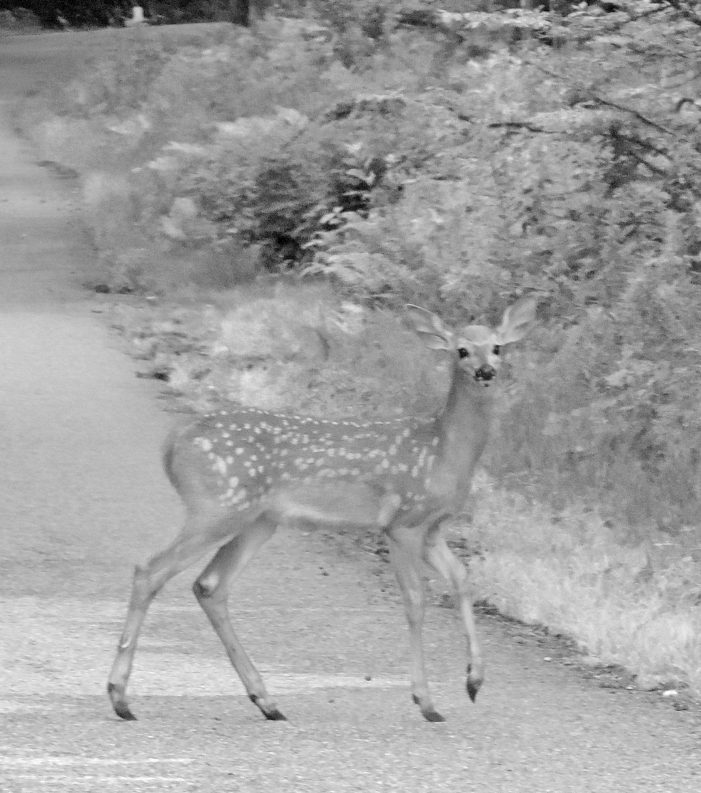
point(409, 170)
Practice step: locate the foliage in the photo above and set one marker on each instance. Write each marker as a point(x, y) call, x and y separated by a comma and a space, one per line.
point(74, 12)
point(85, 13)
point(18, 19)
point(587, 193)
point(408, 165)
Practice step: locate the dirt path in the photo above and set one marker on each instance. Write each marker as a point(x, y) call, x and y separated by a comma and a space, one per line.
point(84, 497)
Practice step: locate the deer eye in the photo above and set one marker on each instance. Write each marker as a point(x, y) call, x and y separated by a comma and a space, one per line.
point(462, 352)
point(497, 349)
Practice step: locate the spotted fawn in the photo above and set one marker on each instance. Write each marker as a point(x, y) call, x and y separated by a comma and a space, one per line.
point(241, 472)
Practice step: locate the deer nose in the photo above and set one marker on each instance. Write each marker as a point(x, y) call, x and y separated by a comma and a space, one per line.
point(485, 372)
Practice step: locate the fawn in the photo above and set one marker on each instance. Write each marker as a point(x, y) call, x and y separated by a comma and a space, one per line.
point(241, 472)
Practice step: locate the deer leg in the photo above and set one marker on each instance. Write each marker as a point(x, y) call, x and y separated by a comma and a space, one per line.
point(443, 560)
point(212, 589)
point(405, 553)
point(148, 580)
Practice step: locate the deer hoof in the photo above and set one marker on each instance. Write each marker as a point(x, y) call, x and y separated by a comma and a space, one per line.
point(432, 715)
point(274, 715)
point(119, 703)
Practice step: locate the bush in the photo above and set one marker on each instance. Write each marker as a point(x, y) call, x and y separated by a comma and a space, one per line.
point(18, 19)
point(414, 171)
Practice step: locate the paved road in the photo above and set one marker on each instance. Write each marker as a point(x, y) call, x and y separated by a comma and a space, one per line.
point(83, 497)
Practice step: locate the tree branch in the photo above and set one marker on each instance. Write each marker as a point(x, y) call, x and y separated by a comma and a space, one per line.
point(685, 11)
point(632, 111)
point(521, 125)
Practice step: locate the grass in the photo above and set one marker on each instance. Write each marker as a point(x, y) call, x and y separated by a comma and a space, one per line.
point(637, 605)
point(280, 345)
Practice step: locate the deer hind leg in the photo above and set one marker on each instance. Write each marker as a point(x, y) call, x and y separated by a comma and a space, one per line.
point(195, 540)
point(443, 560)
point(211, 590)
point(405, 547)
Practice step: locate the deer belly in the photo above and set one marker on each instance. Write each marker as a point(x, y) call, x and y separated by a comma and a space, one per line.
point(331, 503)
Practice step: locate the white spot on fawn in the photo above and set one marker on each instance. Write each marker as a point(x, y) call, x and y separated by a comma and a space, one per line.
point(220, 466)
point(239, 496)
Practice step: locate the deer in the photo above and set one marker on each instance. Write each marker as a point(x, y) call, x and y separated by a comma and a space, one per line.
point(241, 472)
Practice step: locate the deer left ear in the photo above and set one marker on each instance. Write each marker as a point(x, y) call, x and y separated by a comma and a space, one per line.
point(434, 334)
point(518, 319)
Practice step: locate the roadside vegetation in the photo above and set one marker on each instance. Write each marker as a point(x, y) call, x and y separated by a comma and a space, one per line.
point(270, 198)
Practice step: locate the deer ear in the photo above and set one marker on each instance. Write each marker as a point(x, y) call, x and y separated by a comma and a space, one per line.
point(517, 320)
point(430, 327)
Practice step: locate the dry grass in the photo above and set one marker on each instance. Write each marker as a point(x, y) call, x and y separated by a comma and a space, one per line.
point(634, 605)
point(282, 345)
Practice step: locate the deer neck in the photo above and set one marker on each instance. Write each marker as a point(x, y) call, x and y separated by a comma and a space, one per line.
point(463, 427)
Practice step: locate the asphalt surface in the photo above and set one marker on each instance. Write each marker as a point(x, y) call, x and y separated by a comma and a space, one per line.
point(84, 497)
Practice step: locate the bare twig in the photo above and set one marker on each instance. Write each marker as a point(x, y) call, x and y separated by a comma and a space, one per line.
point(631, 111)
point(521, 125)
point(588, 95)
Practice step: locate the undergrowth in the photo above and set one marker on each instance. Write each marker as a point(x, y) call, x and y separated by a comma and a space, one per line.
point(634, 605)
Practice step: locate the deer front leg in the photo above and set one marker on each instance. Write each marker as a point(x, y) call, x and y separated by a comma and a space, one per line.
point(405, 553)
point(443, 560)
